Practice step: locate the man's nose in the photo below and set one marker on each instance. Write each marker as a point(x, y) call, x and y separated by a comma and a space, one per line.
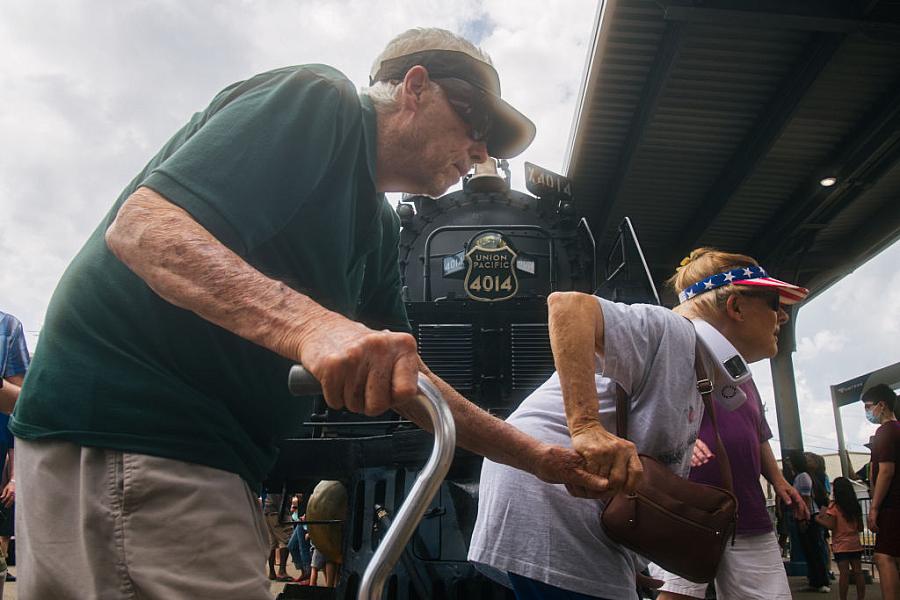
point(478, 152)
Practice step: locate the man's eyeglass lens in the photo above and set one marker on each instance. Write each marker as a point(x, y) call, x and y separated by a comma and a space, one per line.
point(478, 121)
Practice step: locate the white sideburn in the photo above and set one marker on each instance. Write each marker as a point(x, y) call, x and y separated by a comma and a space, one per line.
point(730, 368)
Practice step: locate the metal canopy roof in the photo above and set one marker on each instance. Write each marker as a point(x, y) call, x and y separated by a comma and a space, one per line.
point(713, 122)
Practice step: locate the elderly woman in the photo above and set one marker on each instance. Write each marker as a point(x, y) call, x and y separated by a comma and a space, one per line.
point(751, 567)
point(536, 537)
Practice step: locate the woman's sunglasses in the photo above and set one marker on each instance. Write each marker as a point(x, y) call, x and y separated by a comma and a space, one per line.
point(771, 297)
point(470, 104)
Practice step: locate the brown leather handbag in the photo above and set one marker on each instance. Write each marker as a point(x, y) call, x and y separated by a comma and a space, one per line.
point(680, 525)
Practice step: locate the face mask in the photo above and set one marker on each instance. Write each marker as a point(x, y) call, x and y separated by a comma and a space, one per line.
point(870, 416)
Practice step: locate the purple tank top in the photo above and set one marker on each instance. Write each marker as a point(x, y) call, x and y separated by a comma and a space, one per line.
point(742, 431)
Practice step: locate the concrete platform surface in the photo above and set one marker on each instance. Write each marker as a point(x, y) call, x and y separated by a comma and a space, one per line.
point(797, 586)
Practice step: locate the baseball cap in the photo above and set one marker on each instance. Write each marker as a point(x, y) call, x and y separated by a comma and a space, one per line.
point(473, 88)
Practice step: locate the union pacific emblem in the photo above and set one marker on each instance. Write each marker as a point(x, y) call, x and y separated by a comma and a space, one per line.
point(491, 275)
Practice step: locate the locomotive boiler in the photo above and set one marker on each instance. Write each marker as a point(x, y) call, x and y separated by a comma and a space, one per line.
point(477, 266)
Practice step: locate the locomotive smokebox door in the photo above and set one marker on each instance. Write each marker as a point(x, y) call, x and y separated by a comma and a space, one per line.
point(491, 275)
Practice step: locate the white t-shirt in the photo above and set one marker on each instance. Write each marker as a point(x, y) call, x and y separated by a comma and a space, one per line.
point(538, 530)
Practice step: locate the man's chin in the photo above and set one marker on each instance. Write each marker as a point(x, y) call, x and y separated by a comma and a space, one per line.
point(437, 190)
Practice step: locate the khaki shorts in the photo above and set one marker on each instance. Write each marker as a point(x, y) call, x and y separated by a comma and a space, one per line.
point(279, 533)
point(750, 570)
point(102, 524)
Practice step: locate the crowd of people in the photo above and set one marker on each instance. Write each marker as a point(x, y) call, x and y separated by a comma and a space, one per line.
point(259, 236)
point(289, 535)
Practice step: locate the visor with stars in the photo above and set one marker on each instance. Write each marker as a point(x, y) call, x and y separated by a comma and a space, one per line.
point(751, 276)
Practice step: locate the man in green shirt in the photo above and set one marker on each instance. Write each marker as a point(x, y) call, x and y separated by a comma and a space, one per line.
point(258, 236)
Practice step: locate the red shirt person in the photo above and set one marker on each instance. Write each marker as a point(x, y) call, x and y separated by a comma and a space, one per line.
point(884, 514)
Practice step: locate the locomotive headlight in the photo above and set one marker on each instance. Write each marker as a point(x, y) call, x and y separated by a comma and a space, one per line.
point(490, 240)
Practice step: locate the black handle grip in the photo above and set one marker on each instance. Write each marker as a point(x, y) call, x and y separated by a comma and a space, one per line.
point(302, 383)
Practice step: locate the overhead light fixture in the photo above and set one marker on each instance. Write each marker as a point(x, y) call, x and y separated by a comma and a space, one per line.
point(828, 181)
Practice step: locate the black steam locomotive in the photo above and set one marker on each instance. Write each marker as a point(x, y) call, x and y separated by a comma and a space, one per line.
point(477, 267)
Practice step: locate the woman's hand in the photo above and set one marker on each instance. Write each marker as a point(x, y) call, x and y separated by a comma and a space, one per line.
point(611, 457)
point(702, 454)
point(792, 498)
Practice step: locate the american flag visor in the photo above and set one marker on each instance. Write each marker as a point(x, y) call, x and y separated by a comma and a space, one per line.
point(751, 276)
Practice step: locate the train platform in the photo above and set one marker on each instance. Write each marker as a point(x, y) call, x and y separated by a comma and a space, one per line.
point(798, 585)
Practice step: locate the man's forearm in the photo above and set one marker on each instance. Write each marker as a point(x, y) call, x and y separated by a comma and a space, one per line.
point(183, 263)
point(882, 484)
point(476, 430)
point(360, 369)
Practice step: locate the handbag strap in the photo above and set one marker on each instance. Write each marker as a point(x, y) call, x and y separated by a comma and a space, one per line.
point(704, 386)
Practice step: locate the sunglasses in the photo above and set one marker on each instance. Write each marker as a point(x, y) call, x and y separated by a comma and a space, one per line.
point(470, 104)
point(772, 298)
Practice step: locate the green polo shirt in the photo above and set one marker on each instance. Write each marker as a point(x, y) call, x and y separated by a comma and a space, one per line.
point(281, 169)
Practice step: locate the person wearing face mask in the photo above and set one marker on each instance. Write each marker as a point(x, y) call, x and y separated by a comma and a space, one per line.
point(880, 403)
point(544, 544)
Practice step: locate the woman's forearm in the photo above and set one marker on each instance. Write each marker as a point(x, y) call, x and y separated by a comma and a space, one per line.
point(576, 329)
point(769, 466)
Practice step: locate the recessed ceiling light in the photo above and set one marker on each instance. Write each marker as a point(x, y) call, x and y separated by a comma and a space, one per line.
point(828, 181)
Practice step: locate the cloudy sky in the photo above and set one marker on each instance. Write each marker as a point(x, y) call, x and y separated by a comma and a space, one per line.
point(89, 90)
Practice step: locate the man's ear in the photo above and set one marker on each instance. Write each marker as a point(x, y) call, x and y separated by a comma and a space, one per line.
point(414, 83)
point(734, 308)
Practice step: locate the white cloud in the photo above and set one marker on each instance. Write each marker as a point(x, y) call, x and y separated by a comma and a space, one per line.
point(849, 330)
point(90, 90)
point(825, 340)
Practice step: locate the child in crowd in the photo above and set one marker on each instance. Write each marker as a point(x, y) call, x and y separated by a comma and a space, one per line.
point(298, 544)
point(844, 518)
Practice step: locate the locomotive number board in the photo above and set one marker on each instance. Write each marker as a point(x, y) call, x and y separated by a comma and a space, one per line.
point(542, 182)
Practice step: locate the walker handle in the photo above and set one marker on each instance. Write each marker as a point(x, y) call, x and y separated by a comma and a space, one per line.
point(302, 383)
point(406, 519)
